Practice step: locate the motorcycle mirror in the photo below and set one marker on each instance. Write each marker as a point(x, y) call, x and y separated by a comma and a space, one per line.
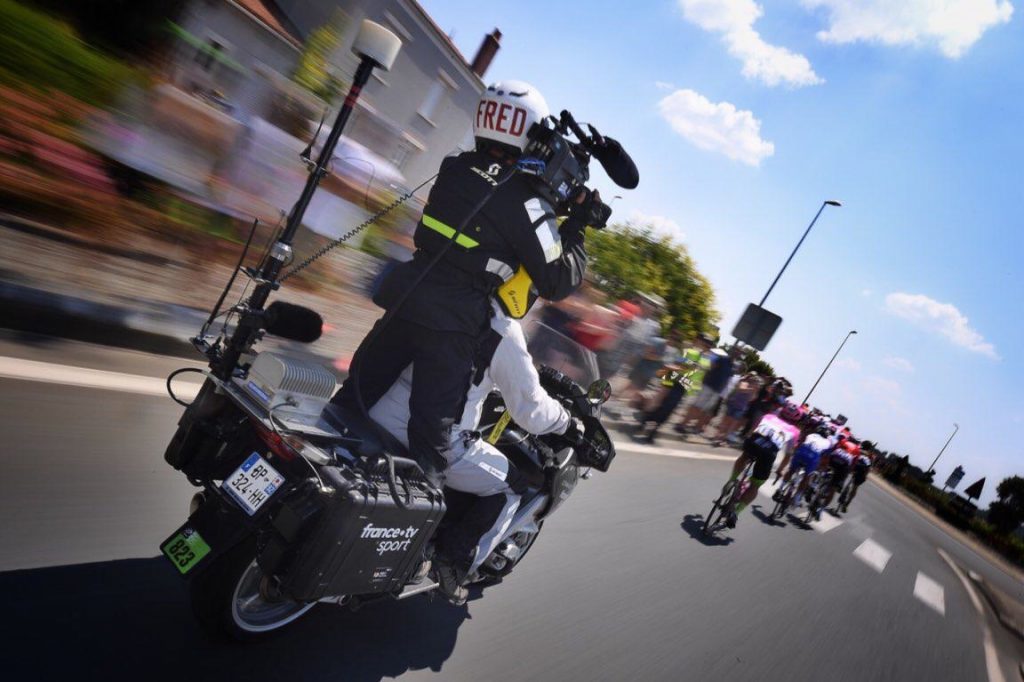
point(599, 392)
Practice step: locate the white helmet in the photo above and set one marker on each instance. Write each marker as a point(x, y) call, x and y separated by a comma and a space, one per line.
point(506, 112)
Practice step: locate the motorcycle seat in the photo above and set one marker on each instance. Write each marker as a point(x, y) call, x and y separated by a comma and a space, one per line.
point(371, 438)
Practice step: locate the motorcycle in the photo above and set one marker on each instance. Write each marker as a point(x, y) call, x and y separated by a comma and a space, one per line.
point(304, 502)
point(302, 505)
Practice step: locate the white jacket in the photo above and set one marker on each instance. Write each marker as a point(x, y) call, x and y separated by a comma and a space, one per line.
point(511, 371)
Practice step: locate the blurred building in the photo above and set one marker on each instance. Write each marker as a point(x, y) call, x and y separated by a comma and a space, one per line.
point(238, 56)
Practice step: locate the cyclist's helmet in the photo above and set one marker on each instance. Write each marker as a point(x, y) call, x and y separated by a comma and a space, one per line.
point(791, 412)
point(505, 113)
point(823, 429)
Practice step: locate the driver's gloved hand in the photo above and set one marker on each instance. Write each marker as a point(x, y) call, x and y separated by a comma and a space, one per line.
point(574, 432)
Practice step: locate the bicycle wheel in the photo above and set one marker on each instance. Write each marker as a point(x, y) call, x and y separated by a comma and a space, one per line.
point(717, 507)
point(785, 494)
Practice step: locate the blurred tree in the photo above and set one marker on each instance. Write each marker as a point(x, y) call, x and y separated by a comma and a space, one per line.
point(38, 51)
point(1007, 512)
point(629, 260)
point(314, 70)
point(753, 362)
point(129, 27)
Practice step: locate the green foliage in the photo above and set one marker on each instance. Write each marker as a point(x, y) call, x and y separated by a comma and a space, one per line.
point(628, 260)
point(1007, 512)
point(314, 69)
point(39, 51)
point(753, 362)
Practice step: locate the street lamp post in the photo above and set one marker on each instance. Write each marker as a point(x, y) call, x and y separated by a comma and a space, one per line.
point(829, 202)
point(808, 396)
point(956, 427)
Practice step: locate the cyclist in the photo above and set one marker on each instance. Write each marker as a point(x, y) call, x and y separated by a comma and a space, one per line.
point(808, 457)
point(861, 466)
point(841, 460)
point(776, 432)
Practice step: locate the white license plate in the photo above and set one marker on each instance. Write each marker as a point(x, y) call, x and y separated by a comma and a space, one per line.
point(253, 483)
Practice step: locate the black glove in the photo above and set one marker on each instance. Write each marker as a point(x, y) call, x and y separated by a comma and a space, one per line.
point(574, 432)
point(590, 212)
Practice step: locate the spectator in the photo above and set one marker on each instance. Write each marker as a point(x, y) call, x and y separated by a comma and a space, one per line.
point(713, 387)
point(678, 377)
point(642, 347)
point(744, 391)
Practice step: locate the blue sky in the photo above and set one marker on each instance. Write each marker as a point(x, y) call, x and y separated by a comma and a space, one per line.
point(743, 117)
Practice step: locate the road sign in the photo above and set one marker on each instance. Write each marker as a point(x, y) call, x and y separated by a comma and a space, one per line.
point(974, 489)
point(757, 326)
point(955, 477)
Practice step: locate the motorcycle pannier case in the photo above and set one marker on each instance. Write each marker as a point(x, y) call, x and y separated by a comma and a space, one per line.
point(362, 542)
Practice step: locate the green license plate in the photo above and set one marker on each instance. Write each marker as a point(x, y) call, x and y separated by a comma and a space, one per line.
point(185, 550)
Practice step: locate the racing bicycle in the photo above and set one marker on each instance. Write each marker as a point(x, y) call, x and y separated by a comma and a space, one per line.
point(726, 502)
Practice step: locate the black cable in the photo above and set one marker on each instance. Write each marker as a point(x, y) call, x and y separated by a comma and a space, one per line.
point(170, 378)
point(241, 259)
point(356, 230)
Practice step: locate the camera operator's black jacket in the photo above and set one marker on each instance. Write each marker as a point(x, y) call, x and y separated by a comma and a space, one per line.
point(440, 327)
point(516, 226)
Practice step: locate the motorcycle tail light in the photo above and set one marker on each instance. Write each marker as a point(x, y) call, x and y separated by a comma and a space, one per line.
point(278, 444)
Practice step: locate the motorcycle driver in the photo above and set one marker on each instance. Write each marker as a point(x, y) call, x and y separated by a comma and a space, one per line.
point(476, 466)
point(438, 304)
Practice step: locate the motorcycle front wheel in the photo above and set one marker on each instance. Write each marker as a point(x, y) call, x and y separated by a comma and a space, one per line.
point(233, 597)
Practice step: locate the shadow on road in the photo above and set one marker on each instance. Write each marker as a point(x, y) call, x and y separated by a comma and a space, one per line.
point(693, 524)
point(130, 619)
point(764, 518)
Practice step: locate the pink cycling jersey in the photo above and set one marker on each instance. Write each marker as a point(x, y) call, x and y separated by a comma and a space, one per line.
point(781, 433)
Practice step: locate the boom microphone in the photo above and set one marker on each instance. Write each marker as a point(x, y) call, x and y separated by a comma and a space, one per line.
point(616, 163)
point(290, 321)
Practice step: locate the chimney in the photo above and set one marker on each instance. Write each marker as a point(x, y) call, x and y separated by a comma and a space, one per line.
point(484, 56)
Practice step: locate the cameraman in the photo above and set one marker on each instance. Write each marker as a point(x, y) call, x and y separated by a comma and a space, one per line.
point(437, 315)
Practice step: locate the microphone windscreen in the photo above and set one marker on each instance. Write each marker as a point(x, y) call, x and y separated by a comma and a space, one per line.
point(290, 321)
point(617, 164)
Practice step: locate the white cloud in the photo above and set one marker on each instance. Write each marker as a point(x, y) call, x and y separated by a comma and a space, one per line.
point(943, 318)
point(717, 127)
point(660, 224)
point(849, 364)
point(734, 20)
point(901, 364)
point(885, 391)
point(866, 292)
point(951, 25)
point(662, 85)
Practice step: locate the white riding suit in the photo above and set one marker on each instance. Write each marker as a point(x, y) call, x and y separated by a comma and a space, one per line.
point(474, 465)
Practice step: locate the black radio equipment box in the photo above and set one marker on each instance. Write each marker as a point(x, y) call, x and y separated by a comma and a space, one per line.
point(354, 539)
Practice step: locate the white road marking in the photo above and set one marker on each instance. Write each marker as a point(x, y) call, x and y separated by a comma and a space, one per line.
point(826, 523)
point(873, 554)
point(68, 375)
point(995, 671)
point(930, 592)
point(640, 449)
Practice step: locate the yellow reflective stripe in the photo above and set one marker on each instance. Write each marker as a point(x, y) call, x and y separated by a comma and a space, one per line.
point(437, 226)
point(499, 427)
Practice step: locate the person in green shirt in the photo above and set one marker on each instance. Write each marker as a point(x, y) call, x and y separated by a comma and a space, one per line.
point(679, 378)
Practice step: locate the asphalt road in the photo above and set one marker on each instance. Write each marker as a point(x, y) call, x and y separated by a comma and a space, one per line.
point(619, 586)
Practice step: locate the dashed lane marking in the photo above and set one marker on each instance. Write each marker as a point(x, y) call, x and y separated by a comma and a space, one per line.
point(930, 592)
point(995, 671)
point(826, 523)
point(45, 372)
point(873, 554)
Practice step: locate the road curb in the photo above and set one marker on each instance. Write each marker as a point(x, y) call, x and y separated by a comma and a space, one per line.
point(26, 309)
point(968, 540)
point(996, 600)
point(148, 326)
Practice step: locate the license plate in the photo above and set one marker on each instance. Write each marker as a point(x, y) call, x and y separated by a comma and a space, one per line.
point(253, 483)
point(185, 549)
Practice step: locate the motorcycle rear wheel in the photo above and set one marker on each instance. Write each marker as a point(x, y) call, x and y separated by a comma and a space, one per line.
point(233, 597)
